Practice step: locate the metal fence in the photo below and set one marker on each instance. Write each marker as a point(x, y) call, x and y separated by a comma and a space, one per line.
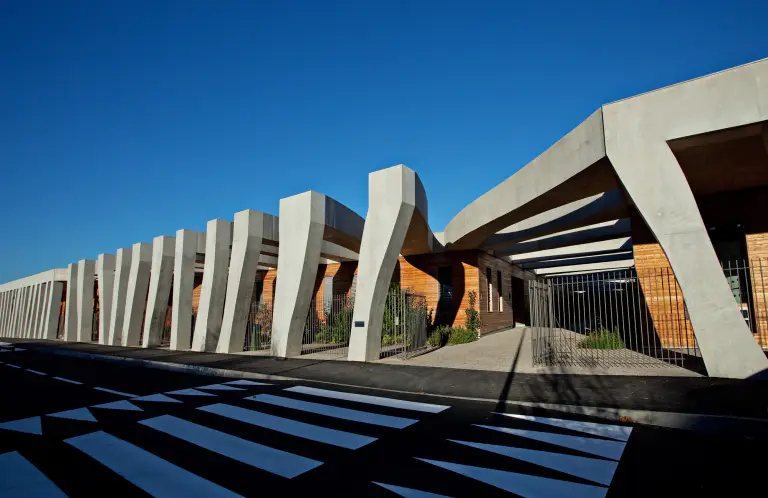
point(258, 330)
point(328, 325)
point(747, 280)
point(404, 325)
point(617, 318)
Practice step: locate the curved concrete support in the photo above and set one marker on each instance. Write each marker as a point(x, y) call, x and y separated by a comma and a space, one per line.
point(211, 309)
point(593, 233)
point(119, 291)
point(250, 230)
point(637, 132)
point(397, 217)
point(85, 277)
point(70, 313)
point(52, 310)
point(572, 169)
point(588, 249)
point(306, 220)
point(136, 293)
point(105, 274)
point(185, 252)
point(160, 280)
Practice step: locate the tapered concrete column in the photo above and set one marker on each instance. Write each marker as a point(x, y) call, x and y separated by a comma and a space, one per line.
point(250, 229)
point(70, 313)
point(211, 308)
point(302, 223)
point(52, 310)
point(85, 275)
point(3, 313)
point(19, 315)
point(39, 300)
point(160, 279)
point(397, 211)
point(183, 285)
point(119, 291)
point(136, 294)
point(7, 312)
point(14, 309)
point(105, 273)
point(26, 312)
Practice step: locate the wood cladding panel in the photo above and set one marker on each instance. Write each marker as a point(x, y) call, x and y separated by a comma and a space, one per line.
point(501, 313)
point(757, 252)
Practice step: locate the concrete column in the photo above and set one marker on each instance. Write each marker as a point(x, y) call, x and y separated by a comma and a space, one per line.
point(70, 312)
point(211, 310)
point(302, 223)
point(85, 275)
point(38, 302)
point(3, 312)
point(119, 291)
point(136, 294)
point(183, 285)
point(52, 309)
point(7, 312)
point(394, 196)
point(25, 312)
point(105, 273)
point(160, 279)
point(19, 313)
point(250, 228)
point(12, 316)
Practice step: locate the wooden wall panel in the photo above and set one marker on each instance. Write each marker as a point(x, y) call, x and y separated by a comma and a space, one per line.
point(502, 314)
point(757, 252)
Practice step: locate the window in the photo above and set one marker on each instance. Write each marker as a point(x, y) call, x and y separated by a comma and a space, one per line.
point(501, 293)
point(488, 278)
point(445, 284)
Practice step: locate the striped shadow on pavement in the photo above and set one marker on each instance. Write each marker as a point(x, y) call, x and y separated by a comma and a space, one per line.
point(618, 432)
point(335, 411)
point(19, 478)
point(601, 447)
point(149, 472)
point(371, 400)
point(256, 455)
point(325, 435)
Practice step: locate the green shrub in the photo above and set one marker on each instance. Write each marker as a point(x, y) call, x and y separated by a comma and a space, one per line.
point(472, 322)
point(603, 339)
point(460, 335)
point(336, 328)
point(439, 336)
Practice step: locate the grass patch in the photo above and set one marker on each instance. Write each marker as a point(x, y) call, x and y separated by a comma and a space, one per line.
point(460, 335)
point(603, 339)
point(445, 335)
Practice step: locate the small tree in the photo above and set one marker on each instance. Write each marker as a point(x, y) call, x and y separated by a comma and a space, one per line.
point(472, 321)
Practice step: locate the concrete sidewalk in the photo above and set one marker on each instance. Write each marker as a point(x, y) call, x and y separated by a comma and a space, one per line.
point(741, 398)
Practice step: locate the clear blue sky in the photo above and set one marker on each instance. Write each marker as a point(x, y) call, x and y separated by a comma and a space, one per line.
point(123, 120)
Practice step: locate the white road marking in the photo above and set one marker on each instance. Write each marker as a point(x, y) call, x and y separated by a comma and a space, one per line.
point(19, 478)
point(29, 425)
point(76, 414)
point(19, 349)
point(12, 365)
point(35, 371)
point(220, 387)
point(104, 389)
point(335, 411)
point(149, 472)
point(601, 447)
point(523, 484)
point(408, 492)
point(68, 380)
point(244, 382)
point(189, 392)
point(334, 437)
point(371, 400)
point(256, 455)
point(6, 344)
point(160, 398)
point(119, 405)
point(593, 469)
point(618, 432)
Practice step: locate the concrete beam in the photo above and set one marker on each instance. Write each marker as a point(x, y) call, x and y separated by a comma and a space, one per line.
point(136, 293)
point(585, 268)
point(250, 229)
point(397, 218)
point(578, 260)
point(105, 275)
point(592, 233)
point(119, 292)
point(70, 313)
point(211, 308)
point(591, 248)
point(85, 277)
point(187, 242)
point(160, 281)
point(53, 310)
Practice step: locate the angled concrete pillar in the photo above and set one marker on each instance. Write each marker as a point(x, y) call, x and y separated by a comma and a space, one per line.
point(70, 312)
point(302, 223)
point(211, 308)
point(85, 275)
point(105, 273)
point(12, 316)
point(119, 291)
point(396, 220)
point(18, 315)
point(39, 301)
point(160, 280)
point(250, 229)
point(52, 310)
point(26, 312)
point(136, 293)
point(183, 285)
point(3, 313)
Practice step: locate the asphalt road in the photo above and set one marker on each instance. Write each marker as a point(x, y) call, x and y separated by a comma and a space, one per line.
point(72, 427)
